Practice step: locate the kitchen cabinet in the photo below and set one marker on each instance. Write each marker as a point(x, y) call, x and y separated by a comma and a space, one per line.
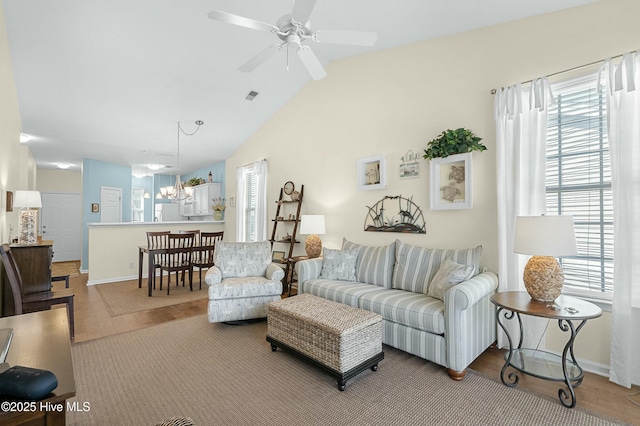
point(203, 196)
point(186, 207)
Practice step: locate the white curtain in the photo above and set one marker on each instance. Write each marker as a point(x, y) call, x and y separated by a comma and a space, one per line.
point(260, 173)
point(241, 204)
point(521, 138)
point(623, 108)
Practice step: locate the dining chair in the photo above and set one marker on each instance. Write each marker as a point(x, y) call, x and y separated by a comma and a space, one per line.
point(195, 232)
point(156, 240)
point(203, 257)
point(39, 301)
point(178, 258)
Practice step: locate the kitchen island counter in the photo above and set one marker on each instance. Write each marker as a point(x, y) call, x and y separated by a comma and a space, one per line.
point(113, 247)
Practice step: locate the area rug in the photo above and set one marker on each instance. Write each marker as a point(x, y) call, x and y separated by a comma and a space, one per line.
point(219, 374)
point(125, 297)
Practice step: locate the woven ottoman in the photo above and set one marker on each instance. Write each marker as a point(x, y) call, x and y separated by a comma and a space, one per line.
point(340, 339)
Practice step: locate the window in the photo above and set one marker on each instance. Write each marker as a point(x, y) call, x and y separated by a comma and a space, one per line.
point(137, 205)
point(579, 182)
point(250, 204)
point(251, 213)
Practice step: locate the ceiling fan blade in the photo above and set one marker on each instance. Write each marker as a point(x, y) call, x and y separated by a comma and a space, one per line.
point(228, 18)
point(311, 63)
point(302, 10)
point(356, 38)
point(261, 57)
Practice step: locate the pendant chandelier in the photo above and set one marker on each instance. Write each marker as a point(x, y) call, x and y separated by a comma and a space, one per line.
point(178, 192)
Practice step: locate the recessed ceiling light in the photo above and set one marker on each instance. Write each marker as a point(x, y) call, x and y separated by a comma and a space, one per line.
point(63, 166)
point(24, 137)
point(155, 166)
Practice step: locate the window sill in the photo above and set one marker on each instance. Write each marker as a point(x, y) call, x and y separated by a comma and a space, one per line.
point(605, 303)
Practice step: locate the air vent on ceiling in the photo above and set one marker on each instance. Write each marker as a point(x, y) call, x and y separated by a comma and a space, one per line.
point(251, 96)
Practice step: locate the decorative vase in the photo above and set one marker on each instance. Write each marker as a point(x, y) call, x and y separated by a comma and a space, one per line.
point(217, 214)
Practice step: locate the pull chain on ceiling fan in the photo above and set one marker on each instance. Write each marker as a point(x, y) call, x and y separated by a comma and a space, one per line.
point(294, 30)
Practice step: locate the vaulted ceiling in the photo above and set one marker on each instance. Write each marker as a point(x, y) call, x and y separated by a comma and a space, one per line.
point(111, 79)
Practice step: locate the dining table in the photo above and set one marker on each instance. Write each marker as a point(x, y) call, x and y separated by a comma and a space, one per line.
point(151, 252)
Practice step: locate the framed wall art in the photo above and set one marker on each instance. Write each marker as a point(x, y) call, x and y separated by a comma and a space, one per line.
point(372, 173)
point(9, 206)
point(451, 185)
point(410, 166)
point(277, 257)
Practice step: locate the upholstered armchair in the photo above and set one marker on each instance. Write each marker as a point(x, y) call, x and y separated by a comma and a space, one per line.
point(242, 282)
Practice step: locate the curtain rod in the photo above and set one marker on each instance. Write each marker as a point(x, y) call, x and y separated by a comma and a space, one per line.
point(579, 67)
point(253, 162)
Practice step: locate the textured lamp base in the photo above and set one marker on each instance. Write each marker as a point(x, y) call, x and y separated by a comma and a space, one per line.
point(313, 246)
point(543, 278)
point(28, 229)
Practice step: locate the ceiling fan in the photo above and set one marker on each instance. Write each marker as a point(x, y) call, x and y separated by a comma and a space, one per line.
point(294, 30)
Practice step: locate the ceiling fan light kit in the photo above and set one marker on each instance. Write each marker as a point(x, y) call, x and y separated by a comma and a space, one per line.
point(294, 30)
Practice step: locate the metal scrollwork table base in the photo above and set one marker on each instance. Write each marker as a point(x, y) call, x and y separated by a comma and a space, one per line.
point(538, 363)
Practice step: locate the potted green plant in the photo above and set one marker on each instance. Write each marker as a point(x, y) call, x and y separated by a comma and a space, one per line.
point(452, 142)
point(194, 181)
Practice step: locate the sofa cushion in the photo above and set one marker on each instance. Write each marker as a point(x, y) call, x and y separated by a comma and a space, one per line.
point(242, 259)
point(339, 291)
point(339, 264)
point(416, 266)
point(449, 274)
point(413, 310)
point(374, 264)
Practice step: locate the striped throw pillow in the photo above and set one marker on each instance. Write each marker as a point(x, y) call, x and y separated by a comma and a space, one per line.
point(416, 266)
point(374, 264)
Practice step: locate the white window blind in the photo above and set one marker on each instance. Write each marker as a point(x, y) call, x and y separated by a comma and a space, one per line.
point(250, 203)
point(578, 182)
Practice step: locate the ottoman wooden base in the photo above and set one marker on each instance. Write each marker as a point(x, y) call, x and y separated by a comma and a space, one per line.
point(342, 340)
point(371, 363)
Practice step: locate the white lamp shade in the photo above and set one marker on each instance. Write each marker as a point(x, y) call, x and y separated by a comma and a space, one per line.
point(28, 199)
point(545, 236)
point(312, 224)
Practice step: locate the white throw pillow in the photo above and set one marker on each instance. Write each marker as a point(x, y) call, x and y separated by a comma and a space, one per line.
point(339, 264)
point(449, 274)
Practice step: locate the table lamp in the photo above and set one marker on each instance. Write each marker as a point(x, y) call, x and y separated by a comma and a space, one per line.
point(312, 225)
point(544, 237)
point(28, 225)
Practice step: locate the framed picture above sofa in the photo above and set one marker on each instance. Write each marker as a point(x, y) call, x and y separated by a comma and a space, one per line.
point(451, 182)
point(372, 173)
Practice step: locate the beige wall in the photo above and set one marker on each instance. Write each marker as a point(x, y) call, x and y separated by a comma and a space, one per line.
point(55, 180)
point(389, 102)
point(17, 167)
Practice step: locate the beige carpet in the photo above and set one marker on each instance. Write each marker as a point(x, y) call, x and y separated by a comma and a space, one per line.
point(125, 297)
point(220, 374)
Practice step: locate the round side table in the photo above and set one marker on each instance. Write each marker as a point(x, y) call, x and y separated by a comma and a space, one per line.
point(542, 364)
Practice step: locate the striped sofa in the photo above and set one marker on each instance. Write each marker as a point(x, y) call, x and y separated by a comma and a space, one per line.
point(398, 281)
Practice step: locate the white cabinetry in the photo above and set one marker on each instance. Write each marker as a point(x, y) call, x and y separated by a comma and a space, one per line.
point(186, 207)
point(203, 198)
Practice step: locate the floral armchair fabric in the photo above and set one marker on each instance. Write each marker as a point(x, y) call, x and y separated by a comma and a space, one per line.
point(242, 282)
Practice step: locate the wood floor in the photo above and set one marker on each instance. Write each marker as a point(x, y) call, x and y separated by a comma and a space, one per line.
point(595, 394)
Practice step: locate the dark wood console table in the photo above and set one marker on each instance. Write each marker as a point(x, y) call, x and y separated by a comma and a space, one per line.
point(41, 340)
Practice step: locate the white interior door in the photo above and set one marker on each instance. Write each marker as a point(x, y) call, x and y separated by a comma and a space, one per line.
point(110, 205)
point(62, 223)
